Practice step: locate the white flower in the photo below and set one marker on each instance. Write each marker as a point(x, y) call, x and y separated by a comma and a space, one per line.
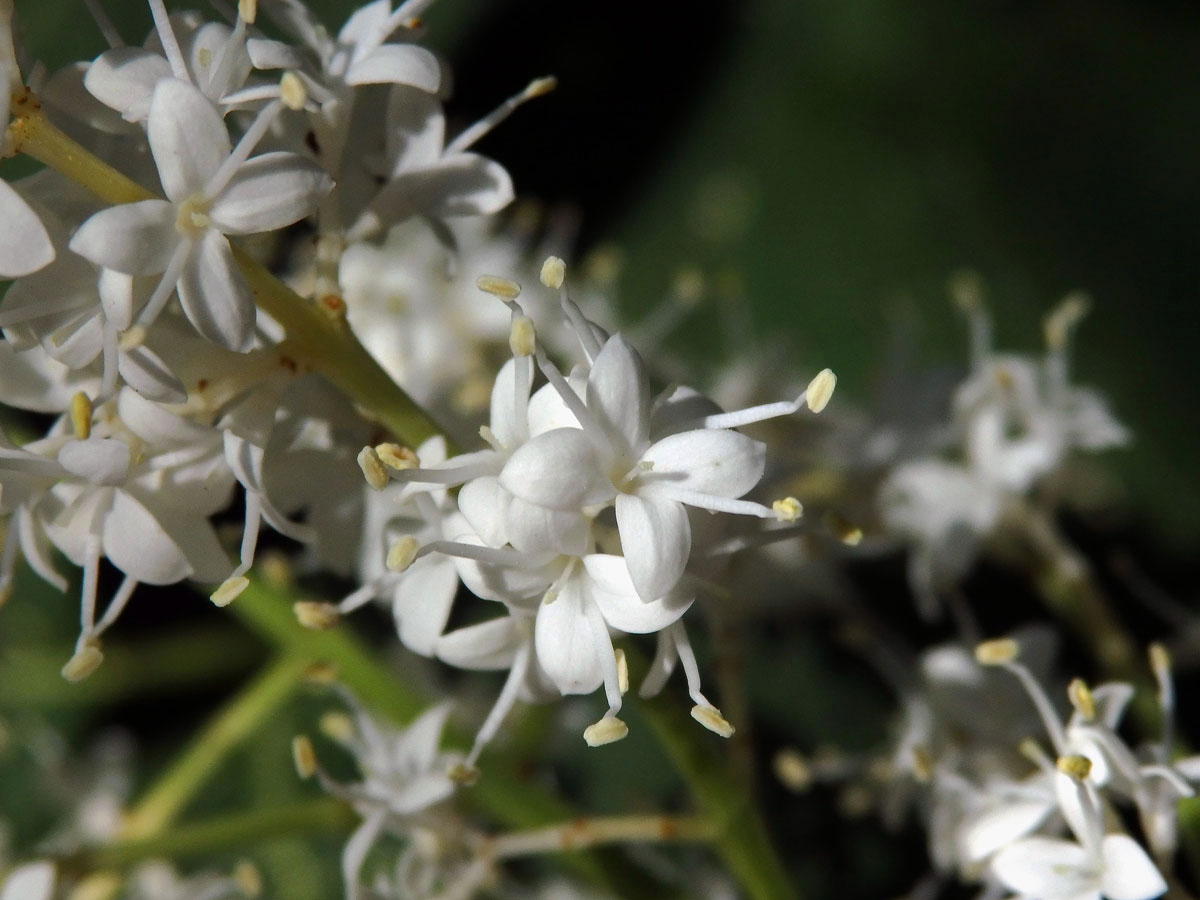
point(31, 881)
point(212, 190)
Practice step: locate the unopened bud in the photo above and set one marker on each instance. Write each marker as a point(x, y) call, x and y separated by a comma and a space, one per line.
point(1081, 699)
point(996, 653)
point(86, 660)
point(788, 509)
point(396, 457)
point(607, 731)
point(292, 91)
point(1076, 766)
point(402, 553)
point(304, 757)
point(820, 390)
point(230, 590)
point(503, 288)
point(81, 416)
point(554, 272)
point(315, 615)
point(372, 468)
point(710, 717)
point(522, 338)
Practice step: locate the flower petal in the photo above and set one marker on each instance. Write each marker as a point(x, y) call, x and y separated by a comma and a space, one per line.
point(535, 529)
point(656, 539)
point(25, 246)
point(398, 64)
point(622, 608)
point(464, 184)
point(124, 79)
point(618, 391)
point(214, 295)
point(97, 460)
point(268, 192)
point(488, 645)
point(717, 462)
point(565, 643)
point(484, 504)
point(163, 546)
point(557, 470)
point(1129, 873)
point(147, 374)
point(421, 603)
point(1041, 867)
point(134, 238)
point(187, 138)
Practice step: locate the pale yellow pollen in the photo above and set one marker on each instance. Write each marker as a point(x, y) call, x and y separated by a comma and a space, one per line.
point(81, 416)
point(292, 91)
point(204, 57)
point(710, 717)
point(554, 272)
point(461, 773)
point(1031, 750)
point(622, 671)
point(820, 390)
point(1076, 766)
point(315, 615)
point(248, 879)
point(503, 288)
point(788, 509)
point(230, 590)
point(608, 730)
point(86, 660)
point(1160, 660)
point(337, 726)
point(248, 10)
point(997, 652)
point(843, 529)
point(792, 770)
point(540, 86)
point(1065, 317)
point(1081, 699)
point(402, 553)
point(522, 337)
point(304, 756)
point(396, 457)
point(372, 468)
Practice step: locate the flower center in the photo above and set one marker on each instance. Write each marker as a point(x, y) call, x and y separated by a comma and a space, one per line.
point(192, 218)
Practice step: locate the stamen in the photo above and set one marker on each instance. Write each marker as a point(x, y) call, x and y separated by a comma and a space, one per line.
point(535, 88)
point(107, 29)
point(997, 652)
point(966, 291)
point(1078, 767)
point(292, 91)
point(248, 879)
point(85, 661)
point(710, 717)
point(504, 288)
point(504, 703)
point(608, 730)
point(248, 11)
point(1064, 317)
point(843, 529)
point(1003, 653)
point(372, 468)
point(162, 24)
point(245, 146)
point(554, 272)
point(231, 588)
point(622, 671)
point(396, 457)
point(583, 329)
point(338, 726)
point(820, 390)
point(522, 338)
point(792, 770)
point(1081, 699)
point(714, 503)
point(787, 509)
point(1160, 665)
point(403, 553)
point(117, 605)
point(315, 615)
point(81, 416)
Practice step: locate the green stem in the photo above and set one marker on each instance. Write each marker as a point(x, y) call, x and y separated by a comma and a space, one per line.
point(741, 836)
point(319, 332)
point(221, 834)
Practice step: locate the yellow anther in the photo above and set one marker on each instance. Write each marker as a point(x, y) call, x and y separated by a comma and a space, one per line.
point(522, 338)
point(554, 272)
point(292, 91)
point(792, 770)
point(396, 457)
point(315, 615)
point(248, 10)
point(1065, 317)
point(230, 590)
point(503, 288)
point(372, 468)
point(608, 730)
point(1081, 699)
point(843, 529)
point(1160, 660)
point(320, 673)
point(1076, 766)
point(787, 509)
point(820, 390)
point(622, 671)
point(539, 87)
point(966, 290)
point(276, 569)
point(81, 416)
point(304, 756)
point(710, 717)
point(997, 652)
point(86, 660)
point(248, 879)
point(922, 764)
point(402, 553)
point(461, 773)
point(337, 726)
point(204, 57)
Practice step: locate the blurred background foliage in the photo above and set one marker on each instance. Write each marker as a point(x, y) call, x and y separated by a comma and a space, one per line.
point(827, 165)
